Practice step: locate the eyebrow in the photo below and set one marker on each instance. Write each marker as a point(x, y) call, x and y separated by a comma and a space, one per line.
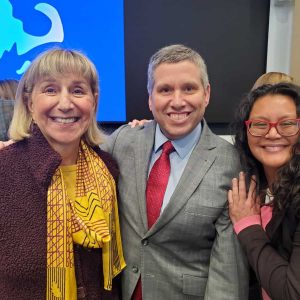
point(267, 118)
point(47, 79)
point(80, 82)
point(53, 80)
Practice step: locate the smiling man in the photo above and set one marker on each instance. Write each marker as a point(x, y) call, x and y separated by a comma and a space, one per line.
point(178, 98)
point(177, 236)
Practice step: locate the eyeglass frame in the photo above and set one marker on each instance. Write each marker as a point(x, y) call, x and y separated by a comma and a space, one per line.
point(271, 124)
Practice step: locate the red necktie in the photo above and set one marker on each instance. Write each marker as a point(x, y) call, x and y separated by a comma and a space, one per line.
point(157, 183)
point(155, 191)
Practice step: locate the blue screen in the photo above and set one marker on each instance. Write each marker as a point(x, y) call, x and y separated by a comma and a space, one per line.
point(94, 27)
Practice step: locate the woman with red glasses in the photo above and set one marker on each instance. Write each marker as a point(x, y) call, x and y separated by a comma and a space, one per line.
point(264, 202)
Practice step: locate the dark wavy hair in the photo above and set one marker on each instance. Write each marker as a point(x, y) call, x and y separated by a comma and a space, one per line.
point(249, 163)
point(286, 189)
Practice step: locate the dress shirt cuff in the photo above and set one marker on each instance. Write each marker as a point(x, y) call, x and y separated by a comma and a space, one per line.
point(246, 222)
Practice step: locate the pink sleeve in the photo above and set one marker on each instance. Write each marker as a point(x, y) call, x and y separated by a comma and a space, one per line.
point(246, 222)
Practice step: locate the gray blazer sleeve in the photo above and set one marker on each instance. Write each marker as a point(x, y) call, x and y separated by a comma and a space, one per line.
point(228, 270)
point(228, 274)
point(109, 141)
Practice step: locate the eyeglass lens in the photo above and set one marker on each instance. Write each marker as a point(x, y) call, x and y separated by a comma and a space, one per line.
point(285, 127)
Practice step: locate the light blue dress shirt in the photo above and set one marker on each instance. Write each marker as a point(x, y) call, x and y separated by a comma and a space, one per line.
point(178, 158)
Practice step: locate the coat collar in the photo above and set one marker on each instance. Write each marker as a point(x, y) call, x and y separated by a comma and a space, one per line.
point(41, 159)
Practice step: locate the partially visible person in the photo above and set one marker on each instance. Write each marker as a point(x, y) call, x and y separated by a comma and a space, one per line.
point(174, 175)
point(264, 202)
point(59, 227)
point(272, 78)
point(8, 90)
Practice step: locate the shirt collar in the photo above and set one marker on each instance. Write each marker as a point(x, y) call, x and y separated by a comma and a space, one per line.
point(183, 145)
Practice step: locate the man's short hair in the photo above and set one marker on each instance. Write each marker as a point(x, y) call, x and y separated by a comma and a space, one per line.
point(174, 54)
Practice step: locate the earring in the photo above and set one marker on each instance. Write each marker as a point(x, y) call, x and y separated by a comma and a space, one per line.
point(32, 125)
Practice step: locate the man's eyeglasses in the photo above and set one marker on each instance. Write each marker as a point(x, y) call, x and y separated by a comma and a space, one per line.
point(288, 127)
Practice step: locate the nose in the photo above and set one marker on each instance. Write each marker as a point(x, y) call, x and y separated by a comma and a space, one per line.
point(273, 133)
point(178, 99)
point(65, 102)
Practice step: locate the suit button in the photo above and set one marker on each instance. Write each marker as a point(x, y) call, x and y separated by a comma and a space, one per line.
point(135, 269)
point(145, 242)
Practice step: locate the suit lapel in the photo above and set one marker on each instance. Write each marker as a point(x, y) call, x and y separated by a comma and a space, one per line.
point(197, 166)
point(143, 150)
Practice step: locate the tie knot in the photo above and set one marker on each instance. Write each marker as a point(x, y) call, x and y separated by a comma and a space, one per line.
point(167, 148)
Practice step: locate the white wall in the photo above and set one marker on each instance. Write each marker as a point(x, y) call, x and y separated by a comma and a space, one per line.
point(280, 35)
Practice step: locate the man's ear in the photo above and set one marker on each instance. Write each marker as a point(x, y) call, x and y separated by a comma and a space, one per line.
point(150, 103)
point(207, 94)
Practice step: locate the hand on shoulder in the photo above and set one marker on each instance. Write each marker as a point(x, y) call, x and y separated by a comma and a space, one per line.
point(135, 122)
point(243, 203)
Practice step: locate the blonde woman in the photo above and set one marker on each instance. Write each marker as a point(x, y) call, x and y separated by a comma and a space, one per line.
point(59, 226)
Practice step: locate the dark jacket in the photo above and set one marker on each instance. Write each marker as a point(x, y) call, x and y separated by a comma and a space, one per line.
point(274, 256)
point(26, 168)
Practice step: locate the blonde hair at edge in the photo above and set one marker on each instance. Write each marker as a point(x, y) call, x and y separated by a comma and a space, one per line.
point(272, 78)
point(50, 64)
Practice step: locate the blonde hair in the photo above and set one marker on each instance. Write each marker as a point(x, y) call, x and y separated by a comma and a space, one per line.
point(50, 64)
point(8, 88)
point(272, 78)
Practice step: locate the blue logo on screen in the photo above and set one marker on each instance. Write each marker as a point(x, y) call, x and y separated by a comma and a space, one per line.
point(12, 31)
point(93, 27)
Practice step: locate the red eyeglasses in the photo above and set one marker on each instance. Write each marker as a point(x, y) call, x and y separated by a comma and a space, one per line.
point(288, 127)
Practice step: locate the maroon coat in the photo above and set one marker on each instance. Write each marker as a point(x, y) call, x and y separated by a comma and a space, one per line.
point(26, 169)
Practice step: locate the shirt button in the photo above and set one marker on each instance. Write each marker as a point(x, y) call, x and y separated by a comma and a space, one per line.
point(145, 242)
point(135, 269)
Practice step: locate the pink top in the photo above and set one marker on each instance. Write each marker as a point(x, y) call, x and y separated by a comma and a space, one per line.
point(263, 219)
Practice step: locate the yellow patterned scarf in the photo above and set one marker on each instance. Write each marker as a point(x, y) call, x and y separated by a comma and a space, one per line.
point(91, 220)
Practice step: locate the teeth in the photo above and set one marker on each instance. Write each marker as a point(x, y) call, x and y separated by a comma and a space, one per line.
point(178, 116)
point(273, 148)
point(65, 120)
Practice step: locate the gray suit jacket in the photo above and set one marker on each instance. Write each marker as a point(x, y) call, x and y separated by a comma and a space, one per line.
point(191, 251)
